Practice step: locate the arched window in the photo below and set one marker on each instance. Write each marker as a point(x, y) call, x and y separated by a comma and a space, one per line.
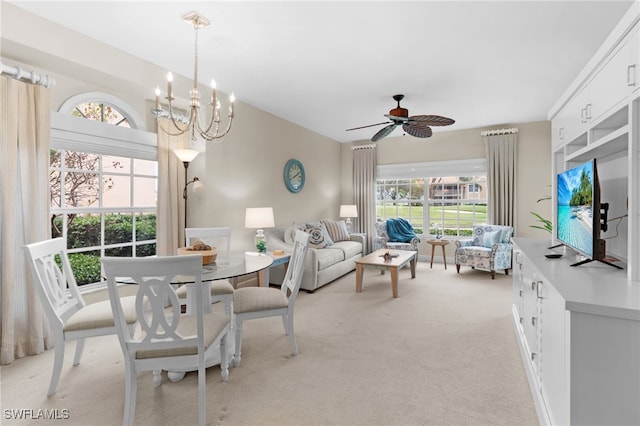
point(103, 183)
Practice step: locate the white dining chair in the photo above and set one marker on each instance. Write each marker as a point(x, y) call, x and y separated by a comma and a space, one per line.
point(260, 302)
point(165, 338)
point(221, 290)
point(69, 316)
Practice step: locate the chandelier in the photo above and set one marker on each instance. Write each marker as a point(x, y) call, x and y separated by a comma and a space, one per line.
point(190, 122)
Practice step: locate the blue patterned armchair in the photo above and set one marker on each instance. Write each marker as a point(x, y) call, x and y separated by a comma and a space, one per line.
point(489, 249)
point(381, 240)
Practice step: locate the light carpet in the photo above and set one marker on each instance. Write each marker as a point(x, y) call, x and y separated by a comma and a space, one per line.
point(442, 353)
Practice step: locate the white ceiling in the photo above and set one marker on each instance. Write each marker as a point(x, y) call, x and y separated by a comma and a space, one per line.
point(329, 66)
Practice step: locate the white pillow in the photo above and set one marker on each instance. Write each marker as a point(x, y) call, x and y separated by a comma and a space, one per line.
point(317, 237)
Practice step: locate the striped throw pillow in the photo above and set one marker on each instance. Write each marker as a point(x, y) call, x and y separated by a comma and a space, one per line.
point(337, 230)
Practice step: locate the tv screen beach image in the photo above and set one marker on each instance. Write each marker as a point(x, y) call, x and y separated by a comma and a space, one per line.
point(575, 208)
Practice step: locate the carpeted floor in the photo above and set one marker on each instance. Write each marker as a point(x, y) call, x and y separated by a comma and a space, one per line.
point(443, 353)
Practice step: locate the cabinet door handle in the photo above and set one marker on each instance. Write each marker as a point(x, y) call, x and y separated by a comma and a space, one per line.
point(533, 321)
point(588, 112)
point(520, 293)
point(521, 320)
point(561, 133)
point(533, 356)
point(533, 285)
point(631, 75)
point(583, 115)
point(539, 289)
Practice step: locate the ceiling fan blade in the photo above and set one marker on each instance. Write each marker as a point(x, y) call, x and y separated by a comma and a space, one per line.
point(370, 125)
point(385, 131)
point(432, 120)
point(417, 129)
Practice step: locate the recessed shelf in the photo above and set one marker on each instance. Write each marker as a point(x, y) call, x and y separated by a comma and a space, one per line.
point(611, 143)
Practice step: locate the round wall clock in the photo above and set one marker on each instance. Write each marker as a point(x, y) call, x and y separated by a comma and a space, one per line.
point(294, 175)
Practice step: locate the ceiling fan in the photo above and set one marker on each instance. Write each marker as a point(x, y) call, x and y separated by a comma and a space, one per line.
point(416, 125)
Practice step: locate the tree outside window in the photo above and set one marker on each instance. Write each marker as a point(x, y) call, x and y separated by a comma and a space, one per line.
point(103, 205)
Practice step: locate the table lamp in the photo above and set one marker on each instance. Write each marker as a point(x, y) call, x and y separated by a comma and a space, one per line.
point(258, 218)
point(348, 211)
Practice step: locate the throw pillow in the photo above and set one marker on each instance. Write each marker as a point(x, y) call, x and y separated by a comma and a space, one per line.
point(290, 232)
point(317, 238)
point(491, 238)
point(337, 230)
point(318, 224)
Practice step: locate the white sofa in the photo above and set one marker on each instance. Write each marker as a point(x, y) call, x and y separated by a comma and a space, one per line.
point(322, 265)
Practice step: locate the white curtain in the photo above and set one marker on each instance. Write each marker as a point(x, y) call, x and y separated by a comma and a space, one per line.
point(364, 190)
point(502, 152)
point(24, 214)
point(170, 219)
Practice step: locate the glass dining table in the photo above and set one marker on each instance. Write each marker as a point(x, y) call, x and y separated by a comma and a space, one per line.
point(228, 266)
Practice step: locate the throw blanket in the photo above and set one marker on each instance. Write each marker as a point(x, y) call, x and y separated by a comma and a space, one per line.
point(400, 230)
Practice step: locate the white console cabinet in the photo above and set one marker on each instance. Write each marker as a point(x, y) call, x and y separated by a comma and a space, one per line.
point(578, 331)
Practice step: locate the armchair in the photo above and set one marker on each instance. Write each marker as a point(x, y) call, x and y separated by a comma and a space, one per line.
point(382, 240)
point(489, 249)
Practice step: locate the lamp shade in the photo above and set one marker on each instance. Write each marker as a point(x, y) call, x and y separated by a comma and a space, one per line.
point(259, 217)
point(348, 210)
point(186, 155)
point(197, 185)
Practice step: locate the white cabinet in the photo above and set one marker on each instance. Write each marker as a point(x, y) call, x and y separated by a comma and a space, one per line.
point(578, 331)
point(615, 80)
point(608, 87)
point(569, 123)
point(554, 322)
point(541, 328)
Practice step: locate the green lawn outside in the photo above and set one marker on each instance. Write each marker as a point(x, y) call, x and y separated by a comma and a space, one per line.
point(437, 214)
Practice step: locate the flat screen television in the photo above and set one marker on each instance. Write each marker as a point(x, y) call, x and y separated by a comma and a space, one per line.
point(580, 214)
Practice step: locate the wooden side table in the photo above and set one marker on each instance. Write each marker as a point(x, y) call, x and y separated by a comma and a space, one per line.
point(434, 242)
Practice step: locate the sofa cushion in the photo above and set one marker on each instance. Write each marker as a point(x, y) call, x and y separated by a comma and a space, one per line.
point(350, 248)
point(337, 230)
point(328, 257)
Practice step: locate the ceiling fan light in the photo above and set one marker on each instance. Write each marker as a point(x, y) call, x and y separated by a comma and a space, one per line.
point(399, 112)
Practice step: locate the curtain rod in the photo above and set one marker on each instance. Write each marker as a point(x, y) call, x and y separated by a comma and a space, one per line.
point(499, 132)
point(367, 146)
point(30, 76)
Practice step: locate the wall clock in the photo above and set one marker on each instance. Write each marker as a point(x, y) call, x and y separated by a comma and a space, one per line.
point(294, 175)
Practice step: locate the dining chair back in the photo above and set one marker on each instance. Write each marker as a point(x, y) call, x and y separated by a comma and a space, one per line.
point(70, 318)
point(219, 237)
point(221, 290)
point(164, 338)
point(260, 302)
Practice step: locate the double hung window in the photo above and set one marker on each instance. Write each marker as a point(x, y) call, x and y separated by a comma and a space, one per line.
point(444, 198)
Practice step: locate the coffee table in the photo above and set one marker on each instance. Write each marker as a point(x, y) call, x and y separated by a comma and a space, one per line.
point(376, 260)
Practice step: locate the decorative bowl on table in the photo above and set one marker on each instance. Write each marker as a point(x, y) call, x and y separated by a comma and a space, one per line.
point(209, 254)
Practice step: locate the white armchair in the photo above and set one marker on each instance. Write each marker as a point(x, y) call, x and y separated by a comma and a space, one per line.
point(489, 249)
